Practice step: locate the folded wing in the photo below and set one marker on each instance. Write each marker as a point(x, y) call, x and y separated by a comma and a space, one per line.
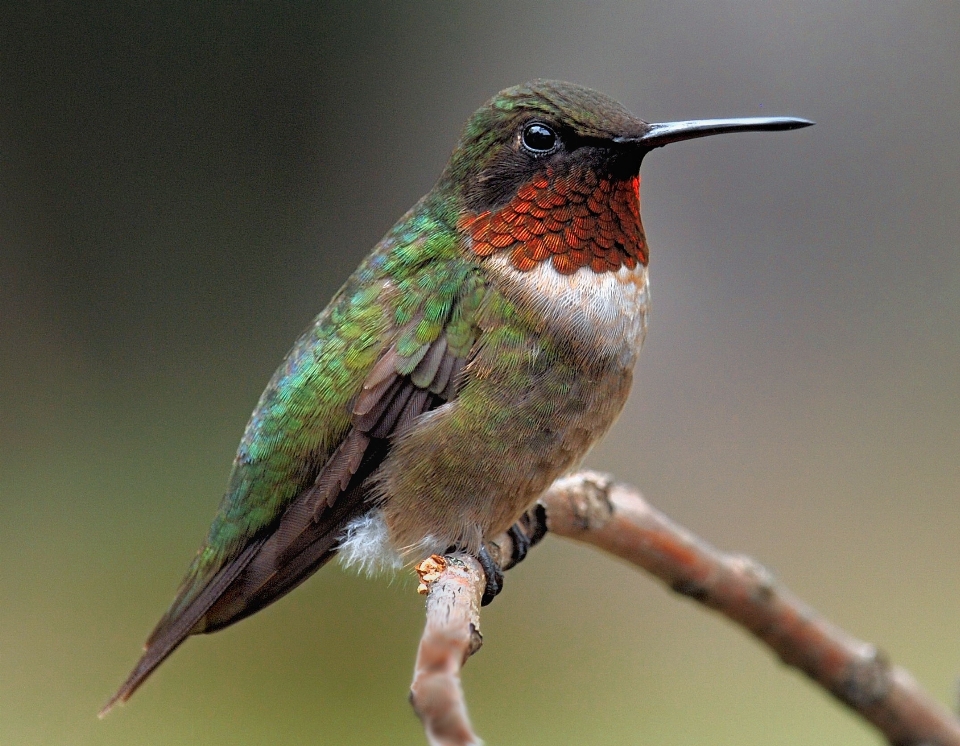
point(419, 371)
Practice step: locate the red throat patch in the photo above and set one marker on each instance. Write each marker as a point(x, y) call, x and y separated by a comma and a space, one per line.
point(575, 220)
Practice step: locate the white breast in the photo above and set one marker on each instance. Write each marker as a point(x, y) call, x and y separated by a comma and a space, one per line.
point(606, 313)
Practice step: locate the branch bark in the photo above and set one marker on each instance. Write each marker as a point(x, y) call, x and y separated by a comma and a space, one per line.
point(454, 585)
point(591, 508)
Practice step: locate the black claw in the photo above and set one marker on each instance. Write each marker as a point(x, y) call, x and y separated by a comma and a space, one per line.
point(494, 576)
point(521, 543)
point(535, 524)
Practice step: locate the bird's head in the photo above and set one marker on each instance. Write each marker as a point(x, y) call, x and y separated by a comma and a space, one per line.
point(550, 170)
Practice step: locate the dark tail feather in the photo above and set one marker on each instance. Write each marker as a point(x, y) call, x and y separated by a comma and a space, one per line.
point(261, 574)
point(170, 633)
point(265, 570)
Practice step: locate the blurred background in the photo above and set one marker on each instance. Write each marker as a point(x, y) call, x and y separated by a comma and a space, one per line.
point(184, 185)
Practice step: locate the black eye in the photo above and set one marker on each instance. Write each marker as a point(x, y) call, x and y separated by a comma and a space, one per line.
point(539, 138)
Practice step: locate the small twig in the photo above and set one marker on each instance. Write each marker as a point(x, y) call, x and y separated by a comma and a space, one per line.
point(453, 585)
point(589, 507)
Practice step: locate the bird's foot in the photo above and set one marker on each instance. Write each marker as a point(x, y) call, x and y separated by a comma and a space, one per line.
point(494, 576)
point(520, 541)
point(532, 527)
point(525, 533)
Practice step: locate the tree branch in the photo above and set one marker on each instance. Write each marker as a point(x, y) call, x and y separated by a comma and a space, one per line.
point(590, 508)
point(451, 635)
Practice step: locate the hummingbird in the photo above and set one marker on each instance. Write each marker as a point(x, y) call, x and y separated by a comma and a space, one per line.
point(478, 352)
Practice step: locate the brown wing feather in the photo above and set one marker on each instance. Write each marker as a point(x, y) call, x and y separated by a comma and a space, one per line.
point(306, 535)
point(309, 529)
point(300, 546)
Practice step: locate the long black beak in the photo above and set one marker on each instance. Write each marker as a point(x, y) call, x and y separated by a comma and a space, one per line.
point(665, 133)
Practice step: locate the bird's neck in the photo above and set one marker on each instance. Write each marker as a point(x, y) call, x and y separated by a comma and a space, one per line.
point(574, 220)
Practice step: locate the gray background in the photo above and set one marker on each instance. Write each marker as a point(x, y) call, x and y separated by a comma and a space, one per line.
point(183, 186)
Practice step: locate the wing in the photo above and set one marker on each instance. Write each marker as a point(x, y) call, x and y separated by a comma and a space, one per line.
point(390, 347)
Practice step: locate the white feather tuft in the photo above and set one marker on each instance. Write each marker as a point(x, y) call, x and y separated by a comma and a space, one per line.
point(366, 546)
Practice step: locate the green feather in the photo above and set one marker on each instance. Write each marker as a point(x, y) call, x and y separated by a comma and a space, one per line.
point(305, 411)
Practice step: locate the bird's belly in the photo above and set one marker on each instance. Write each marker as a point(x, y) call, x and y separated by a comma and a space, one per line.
point(536, 397)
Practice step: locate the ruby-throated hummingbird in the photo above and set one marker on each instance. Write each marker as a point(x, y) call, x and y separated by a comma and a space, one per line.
point(474, 356)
